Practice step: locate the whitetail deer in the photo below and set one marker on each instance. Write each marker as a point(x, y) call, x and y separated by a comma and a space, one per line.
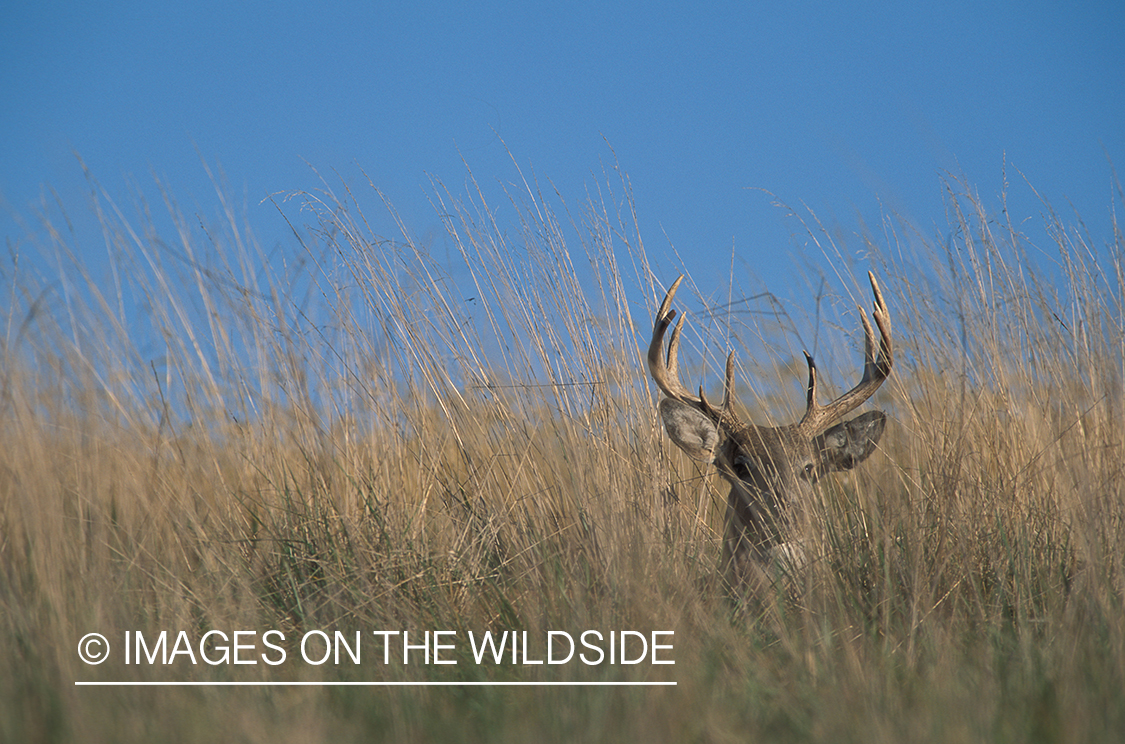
point(770, 469)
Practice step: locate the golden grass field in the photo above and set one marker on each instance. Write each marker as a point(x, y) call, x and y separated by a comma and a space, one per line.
point(375, 434)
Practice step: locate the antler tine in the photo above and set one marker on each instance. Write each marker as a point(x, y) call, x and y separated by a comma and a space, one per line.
point(875, 368)
point(883, 320)
point(728, 382)
point(724, 413)
point(664, 369)
point(673, 358)
point(810, 402)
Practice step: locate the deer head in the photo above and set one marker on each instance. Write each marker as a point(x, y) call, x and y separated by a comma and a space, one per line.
point(770, 469)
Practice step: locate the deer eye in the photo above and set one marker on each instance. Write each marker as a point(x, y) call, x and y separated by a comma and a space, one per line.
point(809, 471)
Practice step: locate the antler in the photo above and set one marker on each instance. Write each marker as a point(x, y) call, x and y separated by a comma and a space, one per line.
point(875, 370)
point(665, 374)
point(664, 370)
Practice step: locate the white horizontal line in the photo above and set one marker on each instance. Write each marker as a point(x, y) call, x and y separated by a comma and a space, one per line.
point(374, 684)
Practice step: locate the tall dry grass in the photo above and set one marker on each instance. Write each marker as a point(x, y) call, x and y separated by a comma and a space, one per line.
point(369, 433)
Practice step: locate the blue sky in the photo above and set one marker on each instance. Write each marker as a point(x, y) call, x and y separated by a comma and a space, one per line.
point(848, 108)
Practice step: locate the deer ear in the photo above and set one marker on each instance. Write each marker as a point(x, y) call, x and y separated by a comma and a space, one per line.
point(848, 444)
point(690, 429)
